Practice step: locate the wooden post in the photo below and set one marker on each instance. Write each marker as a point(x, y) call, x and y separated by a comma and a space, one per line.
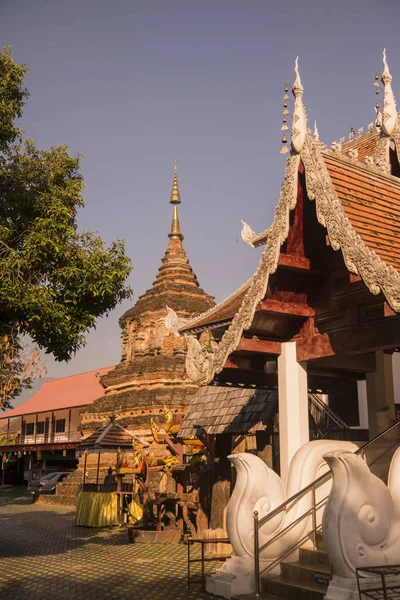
point(380, 395)
point(221, 480)
point(69, 425)
point(98, 468)
point(84, 469)
point(146, 498)
point(119, 489)
point(53, 427)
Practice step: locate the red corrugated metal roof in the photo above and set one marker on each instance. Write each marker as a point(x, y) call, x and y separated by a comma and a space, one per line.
point(66, 392)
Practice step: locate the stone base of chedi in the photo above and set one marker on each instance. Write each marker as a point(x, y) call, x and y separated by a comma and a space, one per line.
point(152, 373)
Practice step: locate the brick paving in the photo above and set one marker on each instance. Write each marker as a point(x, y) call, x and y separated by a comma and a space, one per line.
point(44, 556)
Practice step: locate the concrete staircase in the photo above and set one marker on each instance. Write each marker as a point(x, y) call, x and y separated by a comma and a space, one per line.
point(305, 579)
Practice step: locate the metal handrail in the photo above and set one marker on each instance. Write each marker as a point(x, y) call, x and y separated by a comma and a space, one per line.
point(313, 510)
point(322, 478)
point(326, 410)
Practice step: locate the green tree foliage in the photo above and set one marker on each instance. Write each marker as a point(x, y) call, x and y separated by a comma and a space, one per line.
point(54, 280)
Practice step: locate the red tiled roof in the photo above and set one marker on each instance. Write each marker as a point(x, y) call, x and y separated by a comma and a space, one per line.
point(371, 202)
point(66, 392)
point(365, 144)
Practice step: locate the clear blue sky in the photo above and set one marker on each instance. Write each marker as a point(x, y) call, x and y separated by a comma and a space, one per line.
point(136, 84)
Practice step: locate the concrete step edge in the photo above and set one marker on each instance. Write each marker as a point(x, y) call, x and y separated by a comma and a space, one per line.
point(308, 567)
point(287, 582)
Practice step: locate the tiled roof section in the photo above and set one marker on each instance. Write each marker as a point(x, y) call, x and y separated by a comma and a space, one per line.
point(365, 144)
point(216, 410)
point(224, 311)
point(110, 437)
point(66, 392)
point(371, 202)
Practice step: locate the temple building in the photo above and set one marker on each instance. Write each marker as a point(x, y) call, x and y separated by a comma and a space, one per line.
point(319, 317)
point(320, 314)
point(151, 374)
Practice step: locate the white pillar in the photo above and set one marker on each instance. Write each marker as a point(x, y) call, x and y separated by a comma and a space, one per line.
point(362, 404)
point(380, 395)
point(293, 406)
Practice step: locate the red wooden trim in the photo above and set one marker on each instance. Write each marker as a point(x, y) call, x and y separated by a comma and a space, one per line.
point(287, 308)
point(295, 238)
point(385, 335)
point(388, 310)
point(294, 262)
point(260, 346)
point(316, 346)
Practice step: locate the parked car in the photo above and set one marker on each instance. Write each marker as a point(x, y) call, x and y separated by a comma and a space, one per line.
point(46, 484)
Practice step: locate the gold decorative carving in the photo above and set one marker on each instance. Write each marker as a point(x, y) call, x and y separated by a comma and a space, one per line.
point(359, 259)
point(201, 363)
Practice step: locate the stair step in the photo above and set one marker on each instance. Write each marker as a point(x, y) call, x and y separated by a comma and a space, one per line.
point(304, 574)
point(315, 558)
point(254, 597)
point(279, 587)
point(57, 500)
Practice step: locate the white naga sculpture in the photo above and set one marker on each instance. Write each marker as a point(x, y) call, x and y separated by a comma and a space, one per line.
point(173, 322)
point(259, 488)
point(361, 523)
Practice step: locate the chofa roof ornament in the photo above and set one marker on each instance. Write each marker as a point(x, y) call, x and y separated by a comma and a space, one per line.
point(247, 234)
point(389, 116)
point(299, 123)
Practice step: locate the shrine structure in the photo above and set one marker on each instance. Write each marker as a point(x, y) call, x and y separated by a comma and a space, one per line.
point(319, 316)
point(322, 310)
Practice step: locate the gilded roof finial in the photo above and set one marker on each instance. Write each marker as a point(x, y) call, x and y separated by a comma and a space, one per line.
point(389, 116)
point(299, 122)
point(175, 199)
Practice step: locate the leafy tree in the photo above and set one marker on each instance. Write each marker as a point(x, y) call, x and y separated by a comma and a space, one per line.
point(54, 281)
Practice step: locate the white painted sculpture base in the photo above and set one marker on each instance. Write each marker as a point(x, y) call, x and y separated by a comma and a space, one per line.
point(341, 588)
point(235, 577)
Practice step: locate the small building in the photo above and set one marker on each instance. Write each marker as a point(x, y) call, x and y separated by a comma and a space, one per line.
point(42, 434)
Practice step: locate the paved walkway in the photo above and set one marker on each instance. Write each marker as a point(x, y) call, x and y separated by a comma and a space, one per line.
point(44, 556)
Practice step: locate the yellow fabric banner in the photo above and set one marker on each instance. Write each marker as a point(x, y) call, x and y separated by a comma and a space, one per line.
point(96, 509)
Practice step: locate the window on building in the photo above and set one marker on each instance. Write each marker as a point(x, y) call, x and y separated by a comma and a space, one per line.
point(40, 427)
point(30, 428)
point(60, 425)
